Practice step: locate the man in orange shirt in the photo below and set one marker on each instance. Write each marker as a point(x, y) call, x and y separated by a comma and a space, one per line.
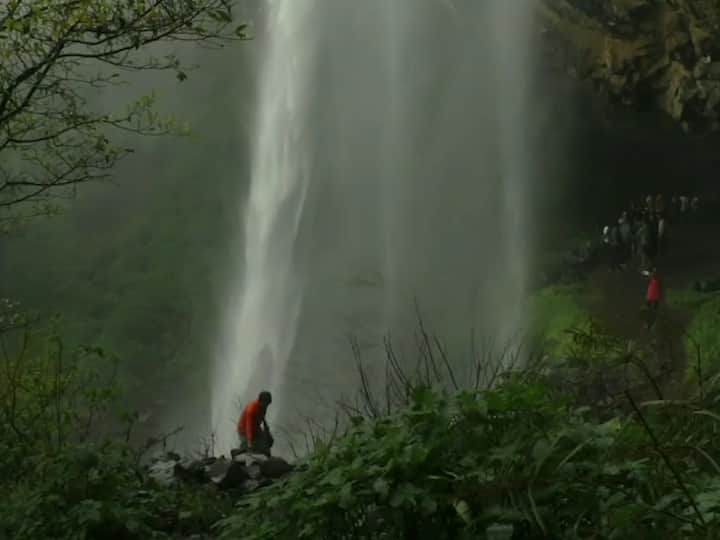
point(252, 426)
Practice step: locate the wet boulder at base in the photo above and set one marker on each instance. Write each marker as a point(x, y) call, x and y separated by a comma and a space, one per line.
point(243, 473)
point(275, 467)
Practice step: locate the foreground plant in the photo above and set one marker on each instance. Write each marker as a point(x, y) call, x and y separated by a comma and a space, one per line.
point(454, 464)
point(61, 477)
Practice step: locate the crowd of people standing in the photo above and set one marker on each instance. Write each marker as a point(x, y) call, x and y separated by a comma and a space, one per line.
point(641, 235)
point(641, 232)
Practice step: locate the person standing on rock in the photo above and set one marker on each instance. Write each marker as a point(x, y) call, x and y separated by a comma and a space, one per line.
point(653, 297)
point(252, 427)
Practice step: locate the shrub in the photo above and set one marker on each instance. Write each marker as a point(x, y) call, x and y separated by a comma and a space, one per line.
point(60, 476)
point(452, 464)
point(554, 311)
point(702, 336)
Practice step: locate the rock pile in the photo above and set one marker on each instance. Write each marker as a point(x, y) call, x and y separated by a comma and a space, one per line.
point(242, 473)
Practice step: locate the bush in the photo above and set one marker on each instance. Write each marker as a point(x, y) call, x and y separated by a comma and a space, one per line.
point(554, 311)
point(452, 464)
point(702, 337)
point(61, 478)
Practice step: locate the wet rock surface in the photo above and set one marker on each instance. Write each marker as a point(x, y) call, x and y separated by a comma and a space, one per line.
point(643, 53)
point(243, 473)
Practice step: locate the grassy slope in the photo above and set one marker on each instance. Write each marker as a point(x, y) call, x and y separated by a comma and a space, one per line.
point(553, 311)
point(703, 329)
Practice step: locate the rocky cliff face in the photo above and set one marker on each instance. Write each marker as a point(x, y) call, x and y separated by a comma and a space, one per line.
point(643, 53)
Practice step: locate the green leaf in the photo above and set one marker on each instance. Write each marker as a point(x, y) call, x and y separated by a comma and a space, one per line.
point(571, 454)
point(381, 487)
point(463, 510)
point(428, 505)
point(335, 477)
point(347, 500)
point(536, 513)
point(541, 451)
point(220, 15)
point(404, 494)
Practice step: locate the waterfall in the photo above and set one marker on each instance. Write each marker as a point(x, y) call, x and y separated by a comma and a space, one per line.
point(265, 301)
point(391, 165)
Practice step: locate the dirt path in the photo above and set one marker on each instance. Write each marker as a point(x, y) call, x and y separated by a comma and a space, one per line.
point(694, 253)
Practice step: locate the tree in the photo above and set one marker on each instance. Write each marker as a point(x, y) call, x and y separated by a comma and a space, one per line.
point(53, 55)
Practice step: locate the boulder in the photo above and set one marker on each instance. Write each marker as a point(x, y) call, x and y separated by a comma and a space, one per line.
point(243, 472)
point(163, 472)
point(217, 470)
point(191, 472)
point(253, 471)
point(250, 485)
point(275, 467)
point(250, 459)
point(231, 475)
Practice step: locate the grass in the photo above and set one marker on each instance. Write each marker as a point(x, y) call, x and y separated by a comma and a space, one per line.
point(703, 329)
point(555, 310)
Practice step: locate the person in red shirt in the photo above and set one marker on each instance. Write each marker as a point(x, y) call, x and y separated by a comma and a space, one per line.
point(653, 297)
point(252, 426)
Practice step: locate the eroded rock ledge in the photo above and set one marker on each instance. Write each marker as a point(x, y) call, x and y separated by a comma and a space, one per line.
point(663, 54)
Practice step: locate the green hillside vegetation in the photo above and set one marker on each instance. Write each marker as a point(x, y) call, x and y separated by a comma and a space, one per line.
point(554, 311)
point(522, 456)
point(702, 336)
point(526, 456)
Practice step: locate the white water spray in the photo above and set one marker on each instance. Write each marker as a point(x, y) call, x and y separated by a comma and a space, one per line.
point(420, 112)
point(261, 318)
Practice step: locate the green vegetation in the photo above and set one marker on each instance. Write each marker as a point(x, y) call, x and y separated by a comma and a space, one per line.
point(526, 452)
point(53, 57)
point(554, 312)
point(702, 341)
point(128, 270)
point(67, 470)
point(451, 465)
point(61, 478)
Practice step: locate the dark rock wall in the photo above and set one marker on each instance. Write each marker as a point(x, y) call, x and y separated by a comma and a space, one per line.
point(646, 54)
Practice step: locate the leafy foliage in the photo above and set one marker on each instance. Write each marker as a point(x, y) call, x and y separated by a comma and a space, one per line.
point(453, 464)
point(553, 311)
point(54, 55)
point(702, 343)
point(60, 476)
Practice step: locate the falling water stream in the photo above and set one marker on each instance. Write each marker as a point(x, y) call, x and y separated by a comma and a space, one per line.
point(390, 166)
point(263, 307)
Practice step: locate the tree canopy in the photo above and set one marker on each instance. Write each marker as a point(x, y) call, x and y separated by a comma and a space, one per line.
point(54, 54)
